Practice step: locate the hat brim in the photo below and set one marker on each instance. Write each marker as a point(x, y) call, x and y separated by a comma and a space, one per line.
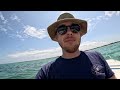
point(52, 28)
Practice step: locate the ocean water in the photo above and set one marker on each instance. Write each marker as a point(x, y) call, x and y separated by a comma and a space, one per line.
point(110, 51)
point(28, 69)
point(22, 70)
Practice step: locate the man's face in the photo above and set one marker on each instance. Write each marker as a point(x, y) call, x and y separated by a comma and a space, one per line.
point(69, 41)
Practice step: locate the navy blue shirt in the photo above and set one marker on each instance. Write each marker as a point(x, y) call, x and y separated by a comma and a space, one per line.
point(75, 68)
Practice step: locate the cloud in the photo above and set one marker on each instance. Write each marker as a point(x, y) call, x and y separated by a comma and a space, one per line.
point(99, 17)
point(5, 21)
point(15, 17)
point(3, 18)
point(48, 53)
point(90, 45)
point(19, 36)
point(28, 32)
point(92, 22)
point(3, 29)
point(33, 32)
point(111, 13)
point(117, 13)
point(34, 54)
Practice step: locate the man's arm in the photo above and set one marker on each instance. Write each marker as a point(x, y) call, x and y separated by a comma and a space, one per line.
point(109, 71)
point(113, 77)
point(40, 74)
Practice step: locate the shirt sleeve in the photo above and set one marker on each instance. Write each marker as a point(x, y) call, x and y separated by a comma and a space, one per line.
point(41, 74)
point(108, 71)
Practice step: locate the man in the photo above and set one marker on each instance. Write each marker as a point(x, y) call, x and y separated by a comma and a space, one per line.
point(73, 64)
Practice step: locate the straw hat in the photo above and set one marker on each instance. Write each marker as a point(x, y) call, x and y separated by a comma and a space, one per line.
point(63, 18)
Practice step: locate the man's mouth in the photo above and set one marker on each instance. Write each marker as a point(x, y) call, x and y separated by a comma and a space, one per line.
point(69, 40)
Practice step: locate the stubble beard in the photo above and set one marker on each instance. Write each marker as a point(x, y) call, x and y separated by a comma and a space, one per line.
point(70, 48)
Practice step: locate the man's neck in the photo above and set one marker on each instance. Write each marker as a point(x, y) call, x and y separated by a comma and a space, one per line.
point(68, 55)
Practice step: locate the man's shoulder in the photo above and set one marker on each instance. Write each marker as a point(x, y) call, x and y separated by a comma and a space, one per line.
point(48, 65)
point(93, 53)
point(95, 56)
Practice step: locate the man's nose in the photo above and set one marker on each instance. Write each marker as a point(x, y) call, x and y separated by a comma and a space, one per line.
point(69, 32)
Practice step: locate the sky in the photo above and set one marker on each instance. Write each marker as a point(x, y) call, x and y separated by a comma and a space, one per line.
point(24, 37)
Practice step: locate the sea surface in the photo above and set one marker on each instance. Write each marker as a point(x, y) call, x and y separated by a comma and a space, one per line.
point(28, 69)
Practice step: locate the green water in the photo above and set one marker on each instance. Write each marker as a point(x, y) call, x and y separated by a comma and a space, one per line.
point(111, 51)
point(22, 70)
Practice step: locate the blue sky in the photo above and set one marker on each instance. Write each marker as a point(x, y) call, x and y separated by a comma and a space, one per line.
point(23, 34)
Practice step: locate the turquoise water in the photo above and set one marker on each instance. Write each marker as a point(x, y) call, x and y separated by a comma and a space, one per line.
point(22, 70)
point(28, 69)
point(111, 51)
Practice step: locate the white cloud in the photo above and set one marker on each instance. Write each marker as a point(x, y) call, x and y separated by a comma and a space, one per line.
point(34, 54)
point(3, 18)
point(19, 36)
point(90, 45)
point(92, 22)
point(99, 17)
point(111, 13)
point(16, 34)
point(3, 29)
point(53, 52)
point(14, 17)
point(5, 21)
point(33, 32)
point(117, 13)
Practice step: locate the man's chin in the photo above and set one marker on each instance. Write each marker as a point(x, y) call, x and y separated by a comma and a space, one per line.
point(71, 50)
point(70, 43)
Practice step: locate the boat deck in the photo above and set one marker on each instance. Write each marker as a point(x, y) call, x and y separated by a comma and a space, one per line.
point(115, 66)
